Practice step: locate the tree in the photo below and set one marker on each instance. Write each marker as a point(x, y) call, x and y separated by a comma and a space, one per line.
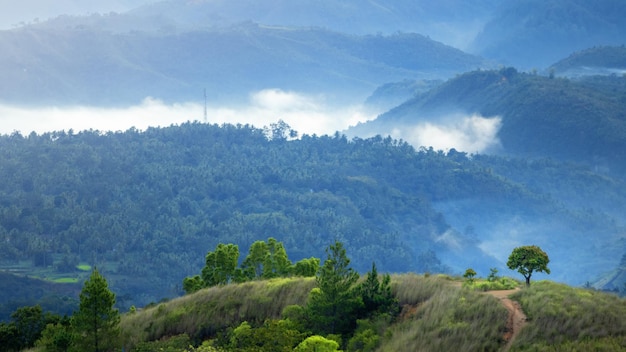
point(95, 324)
point(332, 305)
point(221, 265)
point(376, 296)
point(469, 275)
point(317, 343)
point(193, 284)
point(277, 263)
point(29, 322)
point(253, 264)
point(306, 267)
point(56, 337)
point(528, 259)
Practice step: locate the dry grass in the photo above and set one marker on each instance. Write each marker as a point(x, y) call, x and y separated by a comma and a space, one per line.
point(564, 318)
point(204, 313)
point(444, 317)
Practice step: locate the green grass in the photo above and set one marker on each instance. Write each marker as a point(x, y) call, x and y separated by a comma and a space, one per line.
point(65, 280)
point(502, 283)
point(439, 315)
point(83, 267)
point(563, 318)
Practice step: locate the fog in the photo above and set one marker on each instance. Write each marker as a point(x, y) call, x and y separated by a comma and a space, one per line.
point(305, 114)
point(15, 13)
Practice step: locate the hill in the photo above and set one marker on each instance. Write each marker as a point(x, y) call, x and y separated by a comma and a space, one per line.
point(89, 65)
point(145, 207)
point(601, 60)
point(534, 34)
point(437, 314)
point(570, 120)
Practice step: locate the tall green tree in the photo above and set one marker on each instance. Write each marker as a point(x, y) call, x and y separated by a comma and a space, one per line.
point(253, 265)
point(376, 295)
point(29, 322)
point(95, 325)
point(528, 259)
point(306, 267)
point(333, 304)
point(221, 265)
point(277, 263)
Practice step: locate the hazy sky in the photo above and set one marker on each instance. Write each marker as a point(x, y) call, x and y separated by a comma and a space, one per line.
point(13, 12)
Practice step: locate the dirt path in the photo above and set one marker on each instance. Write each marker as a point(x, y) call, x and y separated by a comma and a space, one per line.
point(516, 320)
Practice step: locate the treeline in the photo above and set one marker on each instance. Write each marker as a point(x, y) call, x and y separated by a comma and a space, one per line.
point(265, 260)
point(328, 321)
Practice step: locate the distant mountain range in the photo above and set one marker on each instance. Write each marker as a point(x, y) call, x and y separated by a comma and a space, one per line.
point(91, 66)
point(173, 50)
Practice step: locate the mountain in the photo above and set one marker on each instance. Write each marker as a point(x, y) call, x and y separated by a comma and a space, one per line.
point(534, 33)
point(453, 22)
point(571, 120)
point(88, 65)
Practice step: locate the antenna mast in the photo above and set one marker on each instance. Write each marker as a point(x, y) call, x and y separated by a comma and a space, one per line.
point(205, 117)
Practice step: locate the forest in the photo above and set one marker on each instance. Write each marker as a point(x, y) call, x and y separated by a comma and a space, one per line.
point(146, 206)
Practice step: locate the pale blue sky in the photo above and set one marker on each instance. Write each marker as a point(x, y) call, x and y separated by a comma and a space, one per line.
point(13, 12)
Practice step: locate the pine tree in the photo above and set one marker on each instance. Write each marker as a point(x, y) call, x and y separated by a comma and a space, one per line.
point(332, 305)
point(96, 323)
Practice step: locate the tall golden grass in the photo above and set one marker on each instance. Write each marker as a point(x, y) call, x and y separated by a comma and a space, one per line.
point(438, 314)
point(441, 316)
point(564, 318)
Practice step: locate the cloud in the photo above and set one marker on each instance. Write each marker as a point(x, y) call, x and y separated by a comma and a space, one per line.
point(468, 133)
point(305, 114)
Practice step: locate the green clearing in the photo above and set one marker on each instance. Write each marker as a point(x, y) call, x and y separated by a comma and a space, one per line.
point(83, 267)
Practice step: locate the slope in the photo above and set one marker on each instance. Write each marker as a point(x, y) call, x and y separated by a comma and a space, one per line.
point(145, 207)
point(577, 121)
point(437, 315)
point(89, 65)
point(535, 33)
point(601, 60)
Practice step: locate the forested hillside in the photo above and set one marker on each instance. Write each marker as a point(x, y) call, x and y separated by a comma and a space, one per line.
point(579, 121)
point(601, 60)
point(145, 207)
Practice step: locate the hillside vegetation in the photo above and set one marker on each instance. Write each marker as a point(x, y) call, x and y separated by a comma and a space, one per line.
point(438, 314)
point(597, 60)
point(573, 120)
point(145, 207)
point(431, 314)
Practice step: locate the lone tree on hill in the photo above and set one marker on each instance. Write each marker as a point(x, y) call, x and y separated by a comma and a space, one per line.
point(96, 323)
point(528, 259)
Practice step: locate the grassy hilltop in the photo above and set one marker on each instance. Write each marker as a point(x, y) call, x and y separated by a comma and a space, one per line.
point(438, 314)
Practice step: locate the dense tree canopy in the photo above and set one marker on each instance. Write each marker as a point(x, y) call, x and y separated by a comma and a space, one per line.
point(154, 202)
